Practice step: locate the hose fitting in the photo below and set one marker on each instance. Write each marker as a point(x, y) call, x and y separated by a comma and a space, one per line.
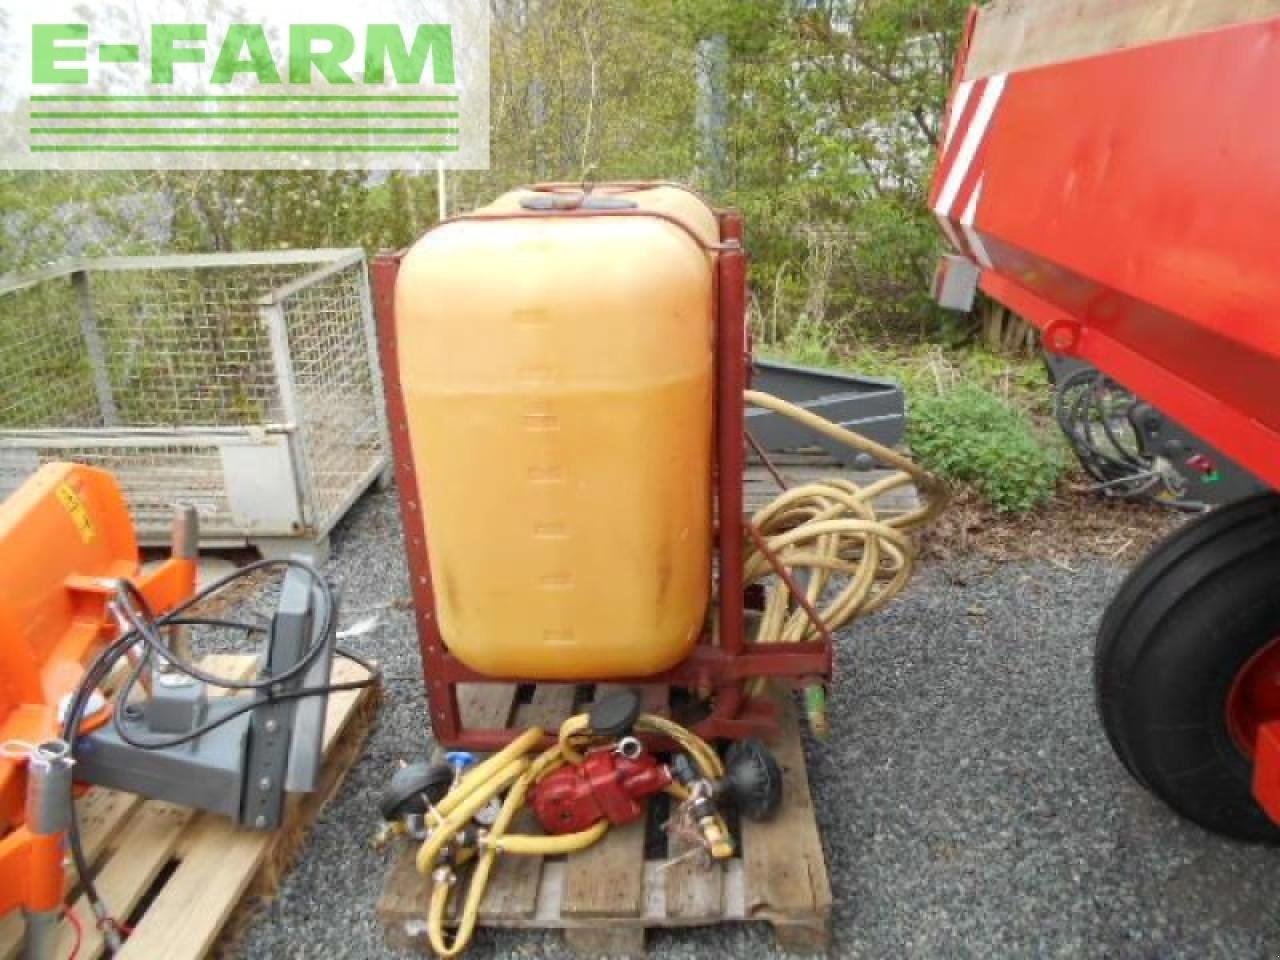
point(815, 710)
point(715, 837)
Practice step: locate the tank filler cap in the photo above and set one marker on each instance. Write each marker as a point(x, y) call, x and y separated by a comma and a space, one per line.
point(576, 201)
point(615, 715)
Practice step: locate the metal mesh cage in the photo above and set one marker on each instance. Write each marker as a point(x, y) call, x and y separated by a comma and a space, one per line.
point(244, 384)
point(337, 400)
point(45, 376)
point(186, 348)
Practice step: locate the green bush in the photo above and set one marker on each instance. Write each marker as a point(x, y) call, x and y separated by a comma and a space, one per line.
point(972, 436)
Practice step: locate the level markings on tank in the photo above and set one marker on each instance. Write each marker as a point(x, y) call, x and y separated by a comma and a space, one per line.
point(541, 421)
point(548, 475)
point(531, 317)
point(558, 638)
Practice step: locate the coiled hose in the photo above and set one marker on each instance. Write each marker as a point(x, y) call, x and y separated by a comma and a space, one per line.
point(845, 557)
point(1096, 416)
point(516, 770)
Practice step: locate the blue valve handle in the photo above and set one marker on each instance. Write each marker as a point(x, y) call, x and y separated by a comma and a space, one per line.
point(459, 760)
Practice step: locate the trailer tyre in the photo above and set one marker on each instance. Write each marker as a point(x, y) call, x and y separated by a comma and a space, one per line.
point(1187, 624)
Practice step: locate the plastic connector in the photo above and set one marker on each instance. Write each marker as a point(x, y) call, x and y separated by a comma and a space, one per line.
point(815, 710)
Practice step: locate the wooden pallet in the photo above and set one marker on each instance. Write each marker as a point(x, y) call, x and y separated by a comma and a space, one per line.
point(605, 897)
point(187, 880)
point(799, 467)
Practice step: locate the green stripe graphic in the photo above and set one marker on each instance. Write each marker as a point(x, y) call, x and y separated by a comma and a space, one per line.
point(255, 115)
point(242, 131)
point(244, 98)
point(248, 148)
point(250, 124)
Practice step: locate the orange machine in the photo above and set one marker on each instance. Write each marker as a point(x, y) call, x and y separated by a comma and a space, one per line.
point(65, 539)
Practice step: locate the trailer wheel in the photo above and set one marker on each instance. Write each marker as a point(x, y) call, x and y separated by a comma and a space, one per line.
point(1187, 665)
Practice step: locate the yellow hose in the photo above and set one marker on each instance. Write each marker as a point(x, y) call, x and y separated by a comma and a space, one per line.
point(706, 758)
point(513, 770)
point(855, 560)
point(481, 774)
point(445, 829)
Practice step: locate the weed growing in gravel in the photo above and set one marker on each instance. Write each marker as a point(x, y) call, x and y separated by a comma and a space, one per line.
point(972, 436)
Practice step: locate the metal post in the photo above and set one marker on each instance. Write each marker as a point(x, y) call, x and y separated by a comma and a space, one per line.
point(731, 380)
point(375, 363)
point(441, 692)
point(184, 544)
point(273, 319)
point(184, 534)
point(48, 815)
point(538, 125)
point(713, 111)
point(96, 349)
point(442, 195)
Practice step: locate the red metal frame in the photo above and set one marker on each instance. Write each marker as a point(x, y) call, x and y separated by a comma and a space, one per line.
point(1254, 698)
point(723, 660)
point(1253, 718)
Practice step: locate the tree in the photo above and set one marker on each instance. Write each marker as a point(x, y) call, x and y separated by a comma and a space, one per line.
point(834, 142)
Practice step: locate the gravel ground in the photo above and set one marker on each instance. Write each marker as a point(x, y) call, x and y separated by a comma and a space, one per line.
point(968, 802)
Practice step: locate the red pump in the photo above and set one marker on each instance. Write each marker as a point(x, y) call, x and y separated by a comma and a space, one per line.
point(610, 784)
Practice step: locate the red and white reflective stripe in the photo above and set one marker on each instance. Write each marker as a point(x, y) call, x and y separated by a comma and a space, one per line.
point(954, 237)
point(960, 167)
point(958, 103)
point(965, 141)
point(966, 224)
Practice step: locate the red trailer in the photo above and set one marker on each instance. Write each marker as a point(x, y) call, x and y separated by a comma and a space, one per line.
point(1110, 170)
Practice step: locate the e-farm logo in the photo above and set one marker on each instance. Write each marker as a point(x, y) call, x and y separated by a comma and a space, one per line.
point(206, 85)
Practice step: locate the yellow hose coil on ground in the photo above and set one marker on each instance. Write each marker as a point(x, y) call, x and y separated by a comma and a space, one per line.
point(830, 531)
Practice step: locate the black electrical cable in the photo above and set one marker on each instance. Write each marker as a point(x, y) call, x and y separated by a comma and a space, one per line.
point(1095, 415)
point(216, 622)
point(145, 629)
point(147, 623)
point(96, 673)
point(244, 708)
point(1081, 411)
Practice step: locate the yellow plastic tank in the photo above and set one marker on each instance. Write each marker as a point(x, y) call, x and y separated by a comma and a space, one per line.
point(557, 374)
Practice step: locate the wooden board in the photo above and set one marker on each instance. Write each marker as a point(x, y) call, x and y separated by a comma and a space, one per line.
point(786, 870)
point(513, 888)
point(606, 882)
point(1019, 34)
point(759, 488)
point(190, 872)
point(479, 705)
point(606, 897)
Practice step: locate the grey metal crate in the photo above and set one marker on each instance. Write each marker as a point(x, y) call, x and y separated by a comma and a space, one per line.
point(245, 384)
